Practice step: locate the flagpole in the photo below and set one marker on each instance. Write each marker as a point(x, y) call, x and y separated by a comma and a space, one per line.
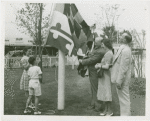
point(61, 81)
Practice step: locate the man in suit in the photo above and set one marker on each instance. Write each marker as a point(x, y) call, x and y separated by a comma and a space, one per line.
point(94, 57)
point(121, 73)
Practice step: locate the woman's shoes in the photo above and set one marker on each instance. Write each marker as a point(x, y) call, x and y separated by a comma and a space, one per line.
point(103, 114)
point(106, 114)
point(37, 113)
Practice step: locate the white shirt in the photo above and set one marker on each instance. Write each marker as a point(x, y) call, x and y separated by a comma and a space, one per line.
point(34, 72)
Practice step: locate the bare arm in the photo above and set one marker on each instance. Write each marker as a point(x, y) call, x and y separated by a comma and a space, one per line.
point(106, 66)
point(40, 78)
point(99, 65)
point(108, 61)
point(40, 74)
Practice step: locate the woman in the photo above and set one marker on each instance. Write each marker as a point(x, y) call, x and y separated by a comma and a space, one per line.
point(104, 83)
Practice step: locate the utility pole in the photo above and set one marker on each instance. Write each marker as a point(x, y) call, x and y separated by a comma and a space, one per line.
point(117, 30)
point(39, 33)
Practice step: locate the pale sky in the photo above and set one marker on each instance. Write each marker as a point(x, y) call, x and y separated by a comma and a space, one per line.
point(134, 16)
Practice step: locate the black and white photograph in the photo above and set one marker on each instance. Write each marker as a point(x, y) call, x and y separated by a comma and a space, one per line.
point(75, 59)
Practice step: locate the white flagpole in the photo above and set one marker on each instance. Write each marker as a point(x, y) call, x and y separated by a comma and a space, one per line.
point(61, 81)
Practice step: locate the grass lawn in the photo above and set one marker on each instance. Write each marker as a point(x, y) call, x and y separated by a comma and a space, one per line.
point(77, 95)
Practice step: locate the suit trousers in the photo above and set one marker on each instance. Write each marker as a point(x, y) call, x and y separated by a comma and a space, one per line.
point(94, 86)
point(124, 100)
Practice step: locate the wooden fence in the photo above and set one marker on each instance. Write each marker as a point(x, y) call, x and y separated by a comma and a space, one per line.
point(14, 62)
point(138, 64)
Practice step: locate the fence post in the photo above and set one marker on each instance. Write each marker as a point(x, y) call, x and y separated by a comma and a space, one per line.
point(50, 61)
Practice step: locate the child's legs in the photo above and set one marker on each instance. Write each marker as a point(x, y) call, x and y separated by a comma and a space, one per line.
point(27, 94)
point(31, 93)
point(36, 103)
point(28, 100)
point(33, 99)
point(37, 92)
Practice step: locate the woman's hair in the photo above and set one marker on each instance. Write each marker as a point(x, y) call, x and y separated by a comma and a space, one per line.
point(107, 43)
point(89, 44)
point(31, 60)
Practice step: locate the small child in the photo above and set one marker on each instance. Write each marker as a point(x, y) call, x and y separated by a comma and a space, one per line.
point(24, 82)
point(34, 74)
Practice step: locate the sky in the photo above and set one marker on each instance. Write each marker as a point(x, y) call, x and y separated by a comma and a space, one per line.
point(134, 16)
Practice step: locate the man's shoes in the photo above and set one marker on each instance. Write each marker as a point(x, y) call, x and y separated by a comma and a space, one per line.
point(103, 114)
point(90, 107)
point(109, 114)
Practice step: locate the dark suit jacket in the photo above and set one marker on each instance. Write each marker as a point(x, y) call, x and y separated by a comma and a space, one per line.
point(93, 58)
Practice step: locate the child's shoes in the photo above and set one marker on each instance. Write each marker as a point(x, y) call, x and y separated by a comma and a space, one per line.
point(37, 113)
point(32, 106)
point(27, 111)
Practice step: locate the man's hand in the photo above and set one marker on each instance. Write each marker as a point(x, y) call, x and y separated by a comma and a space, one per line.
point(98, 65)
point(40, 79)
point(118, 86)
point(80, 61)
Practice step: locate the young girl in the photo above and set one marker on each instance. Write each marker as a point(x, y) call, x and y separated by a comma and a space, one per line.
point(34, 74)
point(24, 82)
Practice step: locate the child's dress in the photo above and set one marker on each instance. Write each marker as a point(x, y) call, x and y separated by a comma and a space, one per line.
point(24, 82)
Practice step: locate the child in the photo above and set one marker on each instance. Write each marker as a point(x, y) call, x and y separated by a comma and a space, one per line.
point(34, 74)
point(24, 82)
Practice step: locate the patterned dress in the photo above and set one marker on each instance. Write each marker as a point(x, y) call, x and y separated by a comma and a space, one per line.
point(104, 83)
point(24, 82)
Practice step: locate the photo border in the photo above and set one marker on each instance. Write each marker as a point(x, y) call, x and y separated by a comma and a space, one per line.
point(68, 118)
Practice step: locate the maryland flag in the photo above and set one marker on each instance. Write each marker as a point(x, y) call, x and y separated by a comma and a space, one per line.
point(68, 30)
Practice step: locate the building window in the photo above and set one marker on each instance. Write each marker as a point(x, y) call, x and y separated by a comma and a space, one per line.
point(19, 39)
point(30, 40)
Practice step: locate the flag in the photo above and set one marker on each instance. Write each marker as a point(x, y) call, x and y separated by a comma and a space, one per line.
point(68, 30)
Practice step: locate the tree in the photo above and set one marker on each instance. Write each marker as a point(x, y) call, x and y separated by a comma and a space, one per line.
point(107, 20)
point(109, 32)
point(139, 42)
point(30, 20)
